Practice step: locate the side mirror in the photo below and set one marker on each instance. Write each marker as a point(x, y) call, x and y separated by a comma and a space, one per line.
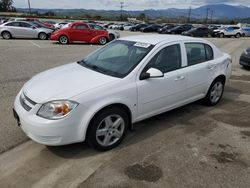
point(151, 73)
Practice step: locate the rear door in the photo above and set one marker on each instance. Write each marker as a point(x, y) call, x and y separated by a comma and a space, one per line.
point(200, 67)
point(15, 29)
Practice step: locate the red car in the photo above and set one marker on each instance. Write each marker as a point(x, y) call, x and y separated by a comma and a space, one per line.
point(80, 32)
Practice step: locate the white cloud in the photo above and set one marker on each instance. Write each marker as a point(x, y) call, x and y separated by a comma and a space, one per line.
point(129, 4)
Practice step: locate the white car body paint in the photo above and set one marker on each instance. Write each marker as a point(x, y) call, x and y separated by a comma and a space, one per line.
point(94, 91)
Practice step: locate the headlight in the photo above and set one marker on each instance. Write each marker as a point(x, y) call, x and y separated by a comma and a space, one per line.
point(56, 109)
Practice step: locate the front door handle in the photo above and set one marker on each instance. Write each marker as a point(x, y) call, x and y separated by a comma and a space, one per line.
point(178, 78)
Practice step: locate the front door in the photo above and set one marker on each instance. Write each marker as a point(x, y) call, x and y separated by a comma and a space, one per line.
point(156, 95)
point(80, 32)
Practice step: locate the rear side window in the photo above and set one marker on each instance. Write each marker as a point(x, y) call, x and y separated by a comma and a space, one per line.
point(198, 53)
point(81, 27)
point(23, 24)
point(14, 24)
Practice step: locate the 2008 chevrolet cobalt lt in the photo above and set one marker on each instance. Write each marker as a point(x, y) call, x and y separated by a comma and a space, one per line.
point(98, 98)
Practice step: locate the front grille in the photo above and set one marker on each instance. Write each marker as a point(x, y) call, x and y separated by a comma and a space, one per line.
point(26, 102)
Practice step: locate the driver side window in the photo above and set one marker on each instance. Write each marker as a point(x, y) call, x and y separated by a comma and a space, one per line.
point(168, 59)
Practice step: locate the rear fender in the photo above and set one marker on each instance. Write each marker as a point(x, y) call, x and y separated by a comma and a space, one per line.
point(96, 39)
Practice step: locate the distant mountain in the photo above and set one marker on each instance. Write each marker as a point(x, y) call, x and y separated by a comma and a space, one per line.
point(220, 11)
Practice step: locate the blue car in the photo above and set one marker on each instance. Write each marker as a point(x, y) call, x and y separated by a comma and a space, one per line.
point(246, 31)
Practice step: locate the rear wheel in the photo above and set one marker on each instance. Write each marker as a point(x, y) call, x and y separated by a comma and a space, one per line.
point(237, 35)
point(215, 92)
point(6, 35)
point(108, 128)
point(103, 40)
point(63, 39)
point(112, 37)
point(42, 36)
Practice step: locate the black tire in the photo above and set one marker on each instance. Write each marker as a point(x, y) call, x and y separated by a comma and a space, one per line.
point(103, 40)
point(92, 138)
point(238, 35)
point(43, 36)
point(221, 35)
point(112, 37)
point(63, 39)
point(6, 35)
point(208, 100)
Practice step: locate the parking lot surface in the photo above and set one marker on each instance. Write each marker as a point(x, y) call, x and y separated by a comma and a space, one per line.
point(193, 146)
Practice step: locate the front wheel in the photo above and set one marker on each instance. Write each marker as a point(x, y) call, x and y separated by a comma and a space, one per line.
point(103, 40)
point(108, 129)
point(63, 39)
point(42, 36)
point(215, 92)
point(221, 35)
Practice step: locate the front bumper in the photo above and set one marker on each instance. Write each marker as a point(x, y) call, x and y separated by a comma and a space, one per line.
point(49, 132)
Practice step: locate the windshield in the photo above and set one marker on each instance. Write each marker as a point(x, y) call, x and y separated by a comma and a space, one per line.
point(117, 58)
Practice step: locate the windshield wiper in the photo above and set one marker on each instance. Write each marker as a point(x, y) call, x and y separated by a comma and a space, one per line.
point(93, 67)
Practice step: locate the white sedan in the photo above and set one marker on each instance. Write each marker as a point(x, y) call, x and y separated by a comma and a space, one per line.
point(130, 79)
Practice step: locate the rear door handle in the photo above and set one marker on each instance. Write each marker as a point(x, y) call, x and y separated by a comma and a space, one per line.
point(178, 78)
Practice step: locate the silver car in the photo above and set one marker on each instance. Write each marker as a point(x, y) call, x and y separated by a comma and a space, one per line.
point(23, 29)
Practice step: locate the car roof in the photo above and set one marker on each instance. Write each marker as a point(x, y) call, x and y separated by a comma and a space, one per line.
point(155, 39)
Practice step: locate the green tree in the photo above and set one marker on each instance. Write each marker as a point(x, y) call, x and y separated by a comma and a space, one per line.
point(6, 6)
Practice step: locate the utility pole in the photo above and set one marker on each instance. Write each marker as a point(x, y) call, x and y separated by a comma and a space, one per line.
point(29, 7)
point(212, 12)
point(189, 15)
point(122, 5)
point(207, 16)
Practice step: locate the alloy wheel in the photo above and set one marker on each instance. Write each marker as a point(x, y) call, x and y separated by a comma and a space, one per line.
point(110, 130)
point(216, 92)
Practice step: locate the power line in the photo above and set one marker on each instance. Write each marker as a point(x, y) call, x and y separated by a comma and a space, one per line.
point(122, 6)
point(212, 12)
point(29, 7)
point(207, 15)
point(189, 15)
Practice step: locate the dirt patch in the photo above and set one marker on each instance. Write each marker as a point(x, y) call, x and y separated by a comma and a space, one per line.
point(237, 113)
point(147, 172)
point(246, 133)
point(243, 77)
point(224, 157)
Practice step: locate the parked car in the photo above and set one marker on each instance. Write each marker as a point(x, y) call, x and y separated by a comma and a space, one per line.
point(179, 29)
point(151, 28)
point(99, 98)
point(199, 32)
point(245, 58)
point(59, 25)
point(23, 29)
point(80, 32)
point(46, 25)
point(138, 27)
point(3, 20)
point(246, 31)
point(41, 25)
point(127, 27)
point(229, 31)
point(112, 34)
point(165, 29)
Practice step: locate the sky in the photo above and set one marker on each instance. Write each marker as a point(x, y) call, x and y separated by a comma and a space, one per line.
point(128, 4)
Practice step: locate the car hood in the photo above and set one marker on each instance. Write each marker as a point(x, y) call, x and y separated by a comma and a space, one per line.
point(43, 29)
point(64, 82)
